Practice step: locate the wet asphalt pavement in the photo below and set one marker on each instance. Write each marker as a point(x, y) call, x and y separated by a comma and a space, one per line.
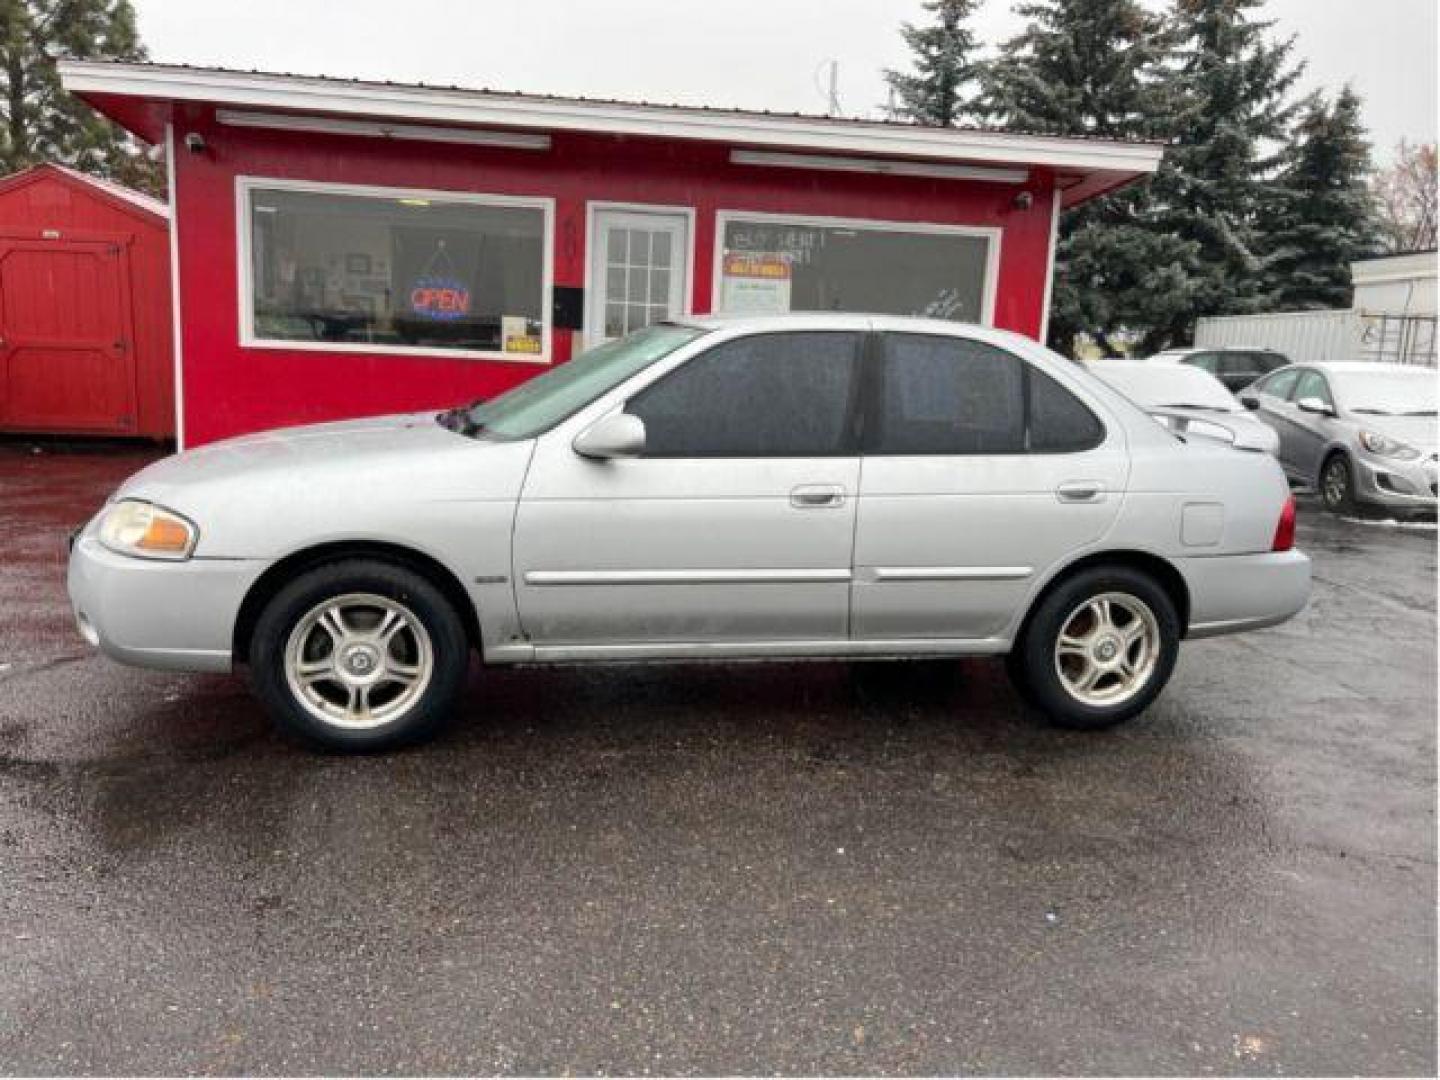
point(796, 868)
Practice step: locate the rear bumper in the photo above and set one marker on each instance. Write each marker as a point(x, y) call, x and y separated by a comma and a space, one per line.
point(1232, 593)
point(176, 616)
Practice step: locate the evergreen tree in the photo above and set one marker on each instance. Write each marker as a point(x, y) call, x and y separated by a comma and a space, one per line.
point(938, 92)
point(1323, 215)
point(1081, 67)
point(1231, 99)
point(39, 121)
point(1096, 68)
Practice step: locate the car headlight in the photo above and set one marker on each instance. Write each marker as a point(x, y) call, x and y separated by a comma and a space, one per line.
point(147, 531)
point(1384, 446)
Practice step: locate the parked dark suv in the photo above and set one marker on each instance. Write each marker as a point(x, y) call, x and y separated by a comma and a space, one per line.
point(1236, 366)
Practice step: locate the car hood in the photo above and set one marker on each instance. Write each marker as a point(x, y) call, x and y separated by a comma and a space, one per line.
point(328, 480)
point(1416, 431)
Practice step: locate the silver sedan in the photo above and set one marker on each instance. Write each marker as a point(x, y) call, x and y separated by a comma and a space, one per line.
point(757, 488)
point(1362, 434)
point(1188, 400)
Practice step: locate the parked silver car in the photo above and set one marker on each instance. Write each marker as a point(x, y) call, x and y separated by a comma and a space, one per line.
point(1363, 434)
point(798, 486)
point(1188, 400)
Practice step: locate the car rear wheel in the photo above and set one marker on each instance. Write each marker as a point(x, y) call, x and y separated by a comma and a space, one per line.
point(1337, 485)
point(360, 655)
point(1098, 649)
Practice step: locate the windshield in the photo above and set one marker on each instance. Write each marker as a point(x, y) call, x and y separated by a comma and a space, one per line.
point(541, 403)
point(1161, 385)
point(1388, 393)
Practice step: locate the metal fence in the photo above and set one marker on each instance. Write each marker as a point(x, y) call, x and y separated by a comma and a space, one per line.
point(1320, 336)
point(1398, 339)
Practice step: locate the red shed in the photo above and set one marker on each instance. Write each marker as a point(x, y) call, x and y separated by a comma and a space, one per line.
point(86, 338)
point(345, 248)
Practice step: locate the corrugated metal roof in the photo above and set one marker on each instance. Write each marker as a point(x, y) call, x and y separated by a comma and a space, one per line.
point(847, 121)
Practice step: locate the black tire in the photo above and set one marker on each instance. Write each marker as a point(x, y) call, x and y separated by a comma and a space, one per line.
point(1337, 485)
point(435, 700)
point(1032, 664)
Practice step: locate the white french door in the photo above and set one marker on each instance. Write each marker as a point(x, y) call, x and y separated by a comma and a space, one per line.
point(639, 269)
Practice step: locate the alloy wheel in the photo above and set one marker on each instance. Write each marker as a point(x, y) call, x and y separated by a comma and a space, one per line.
point(358, 661)
point(1107, 649)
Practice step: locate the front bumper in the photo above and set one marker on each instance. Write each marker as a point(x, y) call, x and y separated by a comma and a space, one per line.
point(1398, 485)
point(1231, 593)
point(176, 616)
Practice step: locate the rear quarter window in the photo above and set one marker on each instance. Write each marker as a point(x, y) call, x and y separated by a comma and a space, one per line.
point(1059, 422)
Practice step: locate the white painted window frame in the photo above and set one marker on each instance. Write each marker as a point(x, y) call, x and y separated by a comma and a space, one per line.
point(687, 288)
point(993, 235)
point(245, 186)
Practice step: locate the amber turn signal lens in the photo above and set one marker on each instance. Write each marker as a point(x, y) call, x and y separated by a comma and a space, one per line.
point(165, 534)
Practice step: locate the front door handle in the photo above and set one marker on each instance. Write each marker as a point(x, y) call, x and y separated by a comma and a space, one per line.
point(817, 496)
point(1080, 491)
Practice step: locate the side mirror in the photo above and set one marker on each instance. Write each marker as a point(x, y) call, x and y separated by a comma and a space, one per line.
point(1251, 403)
point(1313, 405)
point(618, 435)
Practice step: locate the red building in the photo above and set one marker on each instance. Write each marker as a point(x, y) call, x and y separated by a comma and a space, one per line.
point(85, 325)
point(345, 248)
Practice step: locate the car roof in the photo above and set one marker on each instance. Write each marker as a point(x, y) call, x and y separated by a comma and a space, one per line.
point(1191, 350)
point(1342, 367)
point(858, 320)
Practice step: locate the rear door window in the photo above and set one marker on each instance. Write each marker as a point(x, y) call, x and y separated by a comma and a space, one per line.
point(947, 395)
point(938, 395)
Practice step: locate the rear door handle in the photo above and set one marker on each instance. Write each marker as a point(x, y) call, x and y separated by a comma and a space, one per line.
point(817, 496)
point(1079, 491)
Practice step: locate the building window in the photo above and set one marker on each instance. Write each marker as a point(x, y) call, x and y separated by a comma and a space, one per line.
point(373, 270)
point(775, 264)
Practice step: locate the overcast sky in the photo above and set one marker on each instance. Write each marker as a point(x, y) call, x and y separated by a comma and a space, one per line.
point(768, 54)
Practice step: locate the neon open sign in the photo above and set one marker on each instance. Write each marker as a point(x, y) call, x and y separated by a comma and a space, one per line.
point(439, 298)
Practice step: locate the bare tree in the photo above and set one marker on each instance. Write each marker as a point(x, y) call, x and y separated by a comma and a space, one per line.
point(1405, 197)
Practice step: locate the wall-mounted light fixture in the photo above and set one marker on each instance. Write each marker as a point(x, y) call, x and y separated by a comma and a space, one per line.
point(1024, 200)
point(194, 142)
point(373, 129)
point(883, 166)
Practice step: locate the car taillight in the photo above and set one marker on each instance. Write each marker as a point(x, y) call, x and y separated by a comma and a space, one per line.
point(1285, 530)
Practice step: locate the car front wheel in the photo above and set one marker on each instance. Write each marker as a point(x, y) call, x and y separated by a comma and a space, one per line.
point(359, 655)
point(1337, 485)
point(1098, 649)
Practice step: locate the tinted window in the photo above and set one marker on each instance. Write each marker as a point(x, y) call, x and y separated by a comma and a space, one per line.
point(1205, 361)
point(944, 395)
point(1059, 421)
point(1313, 384)
point(1240, 364)
point(1279, 385)
point(770, 395)
point(1267, 361)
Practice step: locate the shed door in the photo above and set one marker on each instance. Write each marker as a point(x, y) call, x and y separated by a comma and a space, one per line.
point(67, 361)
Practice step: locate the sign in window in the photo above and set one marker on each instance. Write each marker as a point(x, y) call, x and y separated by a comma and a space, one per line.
point(396, 272)
point(770, 265)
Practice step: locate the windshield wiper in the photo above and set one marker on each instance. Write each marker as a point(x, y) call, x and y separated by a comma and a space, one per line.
point(1192, 405)
point(1374, 412)
point(1420, 412)
point(460, 421)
